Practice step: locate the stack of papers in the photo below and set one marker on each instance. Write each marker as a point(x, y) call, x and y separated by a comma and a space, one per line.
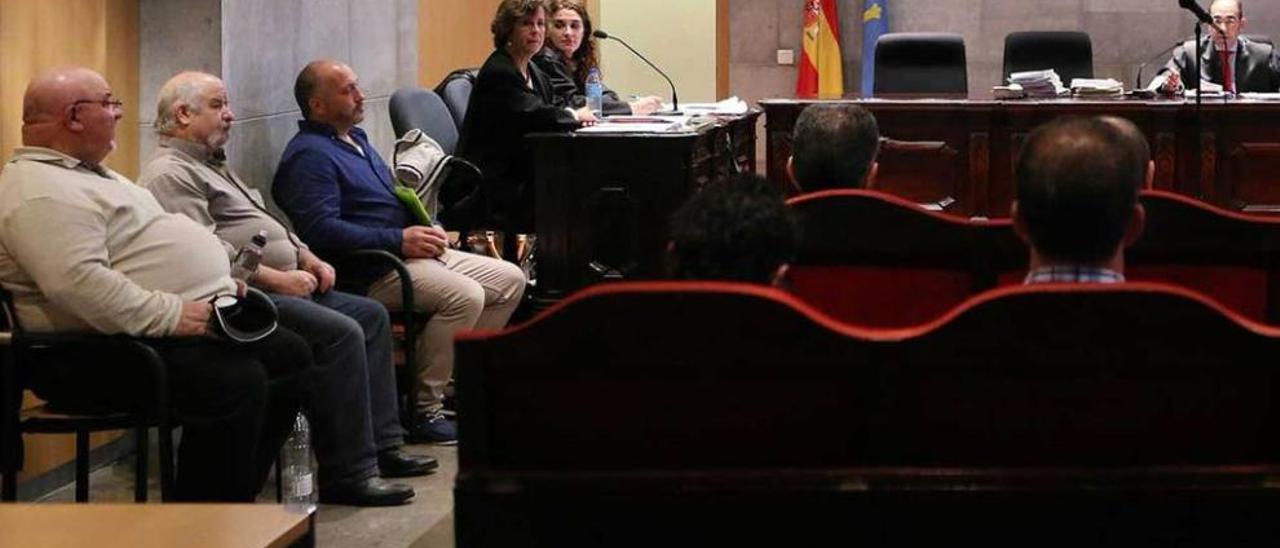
point(732, 105)
point(1011, 91)
point(1210, 90)
point(1091, 87)
point(1039, 83)
point(640, 124)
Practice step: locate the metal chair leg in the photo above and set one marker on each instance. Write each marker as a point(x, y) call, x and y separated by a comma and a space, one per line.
point(166, 462)
point(9, 492)
point(141, 456)
point(82, 465)
point(279, 483)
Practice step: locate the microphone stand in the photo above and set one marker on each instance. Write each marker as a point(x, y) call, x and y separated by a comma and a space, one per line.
point(675, 101)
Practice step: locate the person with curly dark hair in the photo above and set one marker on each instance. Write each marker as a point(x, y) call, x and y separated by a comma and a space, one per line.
point(738, 229)
point(569, 55)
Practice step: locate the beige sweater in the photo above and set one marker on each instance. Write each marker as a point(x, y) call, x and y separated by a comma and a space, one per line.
point(186, 179)
point(88, 250)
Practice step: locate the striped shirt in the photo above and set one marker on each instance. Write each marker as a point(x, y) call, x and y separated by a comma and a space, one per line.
point(1073, 274)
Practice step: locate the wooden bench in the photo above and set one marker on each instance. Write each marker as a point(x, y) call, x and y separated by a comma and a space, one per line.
point(682, 414)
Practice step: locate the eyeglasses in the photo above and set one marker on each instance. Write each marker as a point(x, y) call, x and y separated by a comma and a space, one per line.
point(106, 103)
point(1228, 20)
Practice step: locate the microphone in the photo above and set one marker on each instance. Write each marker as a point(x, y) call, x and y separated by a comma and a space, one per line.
point(675, 102)
point(1204, 17)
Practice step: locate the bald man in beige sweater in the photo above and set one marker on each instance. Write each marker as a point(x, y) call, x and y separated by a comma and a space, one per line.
point(82, 249)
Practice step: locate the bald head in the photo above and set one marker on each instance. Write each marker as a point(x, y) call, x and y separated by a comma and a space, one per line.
point(71, 110)
point(328, 91)
point(49, 93)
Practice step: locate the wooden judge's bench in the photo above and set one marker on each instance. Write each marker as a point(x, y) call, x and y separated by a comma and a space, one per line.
point(960, 151)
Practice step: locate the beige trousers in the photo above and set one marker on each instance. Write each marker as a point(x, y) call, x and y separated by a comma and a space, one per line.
point(461, 291)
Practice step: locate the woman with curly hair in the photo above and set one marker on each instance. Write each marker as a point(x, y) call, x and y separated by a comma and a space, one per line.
point(570, 54)
point(511, 99)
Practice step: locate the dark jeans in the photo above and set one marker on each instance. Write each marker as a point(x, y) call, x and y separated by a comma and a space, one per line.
point(353, 405)
point(235, 403)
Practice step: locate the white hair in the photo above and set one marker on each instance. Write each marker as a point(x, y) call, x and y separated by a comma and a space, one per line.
point(183, 89)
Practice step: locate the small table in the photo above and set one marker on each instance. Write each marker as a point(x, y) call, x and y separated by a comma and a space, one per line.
point(154, 525)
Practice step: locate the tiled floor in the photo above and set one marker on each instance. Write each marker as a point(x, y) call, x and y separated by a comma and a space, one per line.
point(426, 523)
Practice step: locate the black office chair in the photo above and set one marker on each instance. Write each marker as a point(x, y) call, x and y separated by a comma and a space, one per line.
point(26, 351)
point(1260, 38)
point(921, 62)
point(455, 89)
point(1067, 52)
point(417, 108)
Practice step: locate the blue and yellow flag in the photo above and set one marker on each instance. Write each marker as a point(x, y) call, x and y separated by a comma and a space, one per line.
point(875, 21)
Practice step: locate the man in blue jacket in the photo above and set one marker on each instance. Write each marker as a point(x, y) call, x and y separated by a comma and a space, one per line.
point(337, 190)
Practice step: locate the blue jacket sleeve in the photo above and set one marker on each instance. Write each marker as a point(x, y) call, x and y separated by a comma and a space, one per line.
point(308, 190)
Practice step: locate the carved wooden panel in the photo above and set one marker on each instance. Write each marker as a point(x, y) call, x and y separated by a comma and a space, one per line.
point(1255, 171)
point(1208, 164)
point(1164, 153)
point(922, 171)
point(979, 169)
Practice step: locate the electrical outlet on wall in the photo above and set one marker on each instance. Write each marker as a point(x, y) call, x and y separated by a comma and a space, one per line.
point(786, 57)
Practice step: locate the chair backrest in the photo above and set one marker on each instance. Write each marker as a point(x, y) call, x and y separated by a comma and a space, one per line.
point(632, 413)
point(417, 108)
point(1069, 53)
point(455, 89)
point(1083, 375)
point(1260, 38)
point(664, 375)
point(1230, 256)
point(874, 259)
point(921, 62)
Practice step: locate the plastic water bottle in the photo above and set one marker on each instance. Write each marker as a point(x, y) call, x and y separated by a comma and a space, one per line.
point(595, 93)
point(249, 257)
point(298, 478)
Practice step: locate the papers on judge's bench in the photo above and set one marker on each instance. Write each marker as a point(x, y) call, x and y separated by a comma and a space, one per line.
point(690, 118)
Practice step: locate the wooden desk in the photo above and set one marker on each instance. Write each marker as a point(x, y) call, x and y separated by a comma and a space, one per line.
point(153, 525)
point(964, 148)
point(603, 200)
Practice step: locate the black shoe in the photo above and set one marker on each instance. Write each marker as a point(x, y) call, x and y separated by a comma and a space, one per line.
point(394, 463)
point(367, 492)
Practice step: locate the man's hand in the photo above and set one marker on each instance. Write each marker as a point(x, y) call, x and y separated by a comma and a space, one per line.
point(194, 319)
point(325, 275)
point(424, 242)
point(295, 283)
point(1172, 83)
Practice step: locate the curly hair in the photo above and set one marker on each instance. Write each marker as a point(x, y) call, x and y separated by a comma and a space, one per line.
point(588, 56)
point(509, 14)
point(736, 229)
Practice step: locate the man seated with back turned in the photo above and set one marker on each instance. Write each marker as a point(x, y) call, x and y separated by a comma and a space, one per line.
point(337, 191)
point(738, 229)
point(1233, 61)
point(82, 249)
point(1076, 198)
point(834, 145)
point(353, 406)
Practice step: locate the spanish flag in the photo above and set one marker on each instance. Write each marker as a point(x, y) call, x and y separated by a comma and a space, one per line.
point(821, 65)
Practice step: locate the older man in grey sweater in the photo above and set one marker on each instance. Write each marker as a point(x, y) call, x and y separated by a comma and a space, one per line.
point(357, 430)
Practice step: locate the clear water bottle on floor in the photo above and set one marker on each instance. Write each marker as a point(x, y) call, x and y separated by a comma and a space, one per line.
point(298, 476)
point(595, 93)
point(249, 257)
